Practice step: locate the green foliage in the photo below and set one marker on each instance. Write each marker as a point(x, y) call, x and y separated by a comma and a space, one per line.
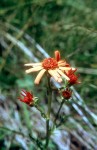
point(67, 25)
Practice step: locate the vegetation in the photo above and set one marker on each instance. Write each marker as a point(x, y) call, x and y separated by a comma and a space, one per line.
point(26, 27)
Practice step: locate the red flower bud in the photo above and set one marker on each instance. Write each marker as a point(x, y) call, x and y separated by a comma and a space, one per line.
point(73, 78)
point(67, 93)
point(27, 97)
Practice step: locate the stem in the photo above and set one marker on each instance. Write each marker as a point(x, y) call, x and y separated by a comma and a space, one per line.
point(41, 111)
point(22, 134)
point(48, 113)
point(57, 115)
point(47, 134)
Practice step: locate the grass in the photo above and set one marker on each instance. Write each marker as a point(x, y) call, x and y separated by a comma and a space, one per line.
point(71, 27)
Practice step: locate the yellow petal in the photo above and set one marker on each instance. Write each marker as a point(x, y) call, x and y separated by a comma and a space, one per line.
point(66, 68)
point(59, 80)
point(33, 69)
point(32, 64)
point(29, 64)
point(39, 76)
point(73, 68)
point(63, 75)
point(56, 73)
point(53, 74)
point(62, 63)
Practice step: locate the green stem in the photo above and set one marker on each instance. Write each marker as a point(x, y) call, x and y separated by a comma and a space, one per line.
point(48, 113)
point(57, 115)
point(41, 111)
point(47, 134)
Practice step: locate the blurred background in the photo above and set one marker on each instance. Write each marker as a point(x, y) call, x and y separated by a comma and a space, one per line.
point(30, 31)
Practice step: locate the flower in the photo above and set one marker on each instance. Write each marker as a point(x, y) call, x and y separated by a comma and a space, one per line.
point(73, 78)
point(54, 66)
point(27, 97)
point(67, 93)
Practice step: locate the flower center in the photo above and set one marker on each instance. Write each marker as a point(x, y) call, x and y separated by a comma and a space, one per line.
point(49, 63)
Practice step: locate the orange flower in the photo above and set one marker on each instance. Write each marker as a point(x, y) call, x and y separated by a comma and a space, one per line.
point(67, 93)
point(54, 66)
point(27, 97)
